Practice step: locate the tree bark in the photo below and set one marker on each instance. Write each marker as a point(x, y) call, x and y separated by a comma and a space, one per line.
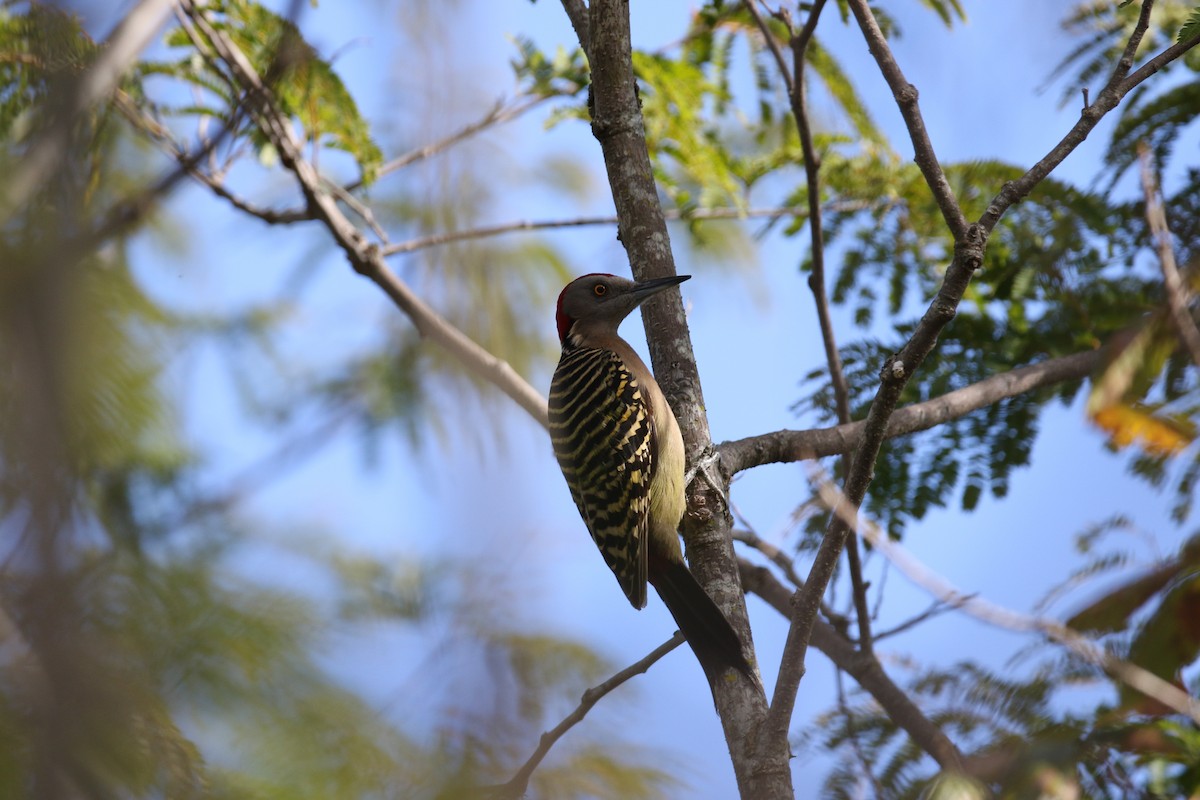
point(762, 772)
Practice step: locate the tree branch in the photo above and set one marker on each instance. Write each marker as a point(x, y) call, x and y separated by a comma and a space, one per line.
point(363, 256)
point(163, 138)
point(1132, 675)
point(787, 446)
point(970, 241)
point(906, 98)
point(577, 12)
point(516, 787)
point(1118, 86)
point(498, 115)
point(863, 667)
point(797, 95)
point(449, 237)
point(618, 126)
point(1173, 286)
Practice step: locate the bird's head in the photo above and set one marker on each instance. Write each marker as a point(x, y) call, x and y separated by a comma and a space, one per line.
point(597, 303)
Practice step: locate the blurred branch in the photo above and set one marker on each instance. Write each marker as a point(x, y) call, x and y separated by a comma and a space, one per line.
point(906, 98)
point(863, 667)
point(1132, 675)
point(161, 135)
point(1173, 286)
point(577, 222)
point(787, 446)
point(852, 734)
point(365, 257)
point(517, 787)
point(936, 608)
point(497, 115)
point(48, 151)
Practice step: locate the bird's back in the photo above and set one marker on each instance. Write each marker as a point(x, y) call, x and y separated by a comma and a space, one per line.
point(601, 430)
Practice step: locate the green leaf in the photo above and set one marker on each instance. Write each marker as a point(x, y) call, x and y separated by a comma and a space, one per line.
point(1191, 28)
point(305, 85)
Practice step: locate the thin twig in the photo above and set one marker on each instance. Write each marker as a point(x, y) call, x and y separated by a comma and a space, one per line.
point(863, 667)
point(864, 764)
point(358, 207)
point(797, 95)
point(1119, 84)
point(772, 45)
point(516, 787)
point(497, 115)
point(1176, 291)
point(577, 222)
point(577, 12)
point(906, 98)
point(787, 565)
point(161, 135)
point(776, 556)
point(935, 609)
point(998, 616)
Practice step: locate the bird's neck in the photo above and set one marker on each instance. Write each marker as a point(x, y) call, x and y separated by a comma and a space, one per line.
point(604, 337)
point(594, 334)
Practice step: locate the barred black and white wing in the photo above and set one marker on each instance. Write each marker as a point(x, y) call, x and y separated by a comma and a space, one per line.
point(603, 438)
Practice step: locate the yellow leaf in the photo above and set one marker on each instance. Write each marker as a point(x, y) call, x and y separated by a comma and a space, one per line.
point(1158, 436)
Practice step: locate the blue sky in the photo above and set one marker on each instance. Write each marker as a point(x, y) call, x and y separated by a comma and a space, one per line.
point(754, 332)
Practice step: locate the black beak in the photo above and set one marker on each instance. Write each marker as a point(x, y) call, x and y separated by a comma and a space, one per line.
point(645, 289)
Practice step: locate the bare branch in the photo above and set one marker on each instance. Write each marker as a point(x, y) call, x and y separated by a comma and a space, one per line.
point(797, 95)
point(499, 114)
point(1118, 86)
point(363, 256)
point(863, 667)
point(777, 557)
point(516, 787)
point(1173, 285)
point(531, 225)
point(1132, 675)
point(788, 446)
point(119, 51)
point(162, 136)
point(906, 98)
point(936, 608)
point(785, 563)
point(864, 765)
point(772, 45)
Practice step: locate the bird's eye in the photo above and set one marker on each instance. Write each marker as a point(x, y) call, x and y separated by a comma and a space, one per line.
point(600, 290)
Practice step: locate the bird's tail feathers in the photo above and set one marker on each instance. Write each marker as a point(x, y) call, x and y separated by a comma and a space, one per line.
point(708, 632)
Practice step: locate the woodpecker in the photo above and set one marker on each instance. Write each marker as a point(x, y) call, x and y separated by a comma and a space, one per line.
point(621, 452)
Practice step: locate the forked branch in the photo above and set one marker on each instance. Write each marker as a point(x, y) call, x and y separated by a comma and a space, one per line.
point(970, 241)
point(1130, 674)
point(519, 783)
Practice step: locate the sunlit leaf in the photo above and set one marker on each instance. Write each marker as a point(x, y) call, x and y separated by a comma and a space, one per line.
point(1157, 435)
